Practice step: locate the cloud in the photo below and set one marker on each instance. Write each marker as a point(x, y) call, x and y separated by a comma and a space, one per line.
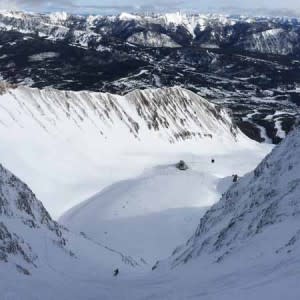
point(34, 4)
point(80, 5)
point(276, 7)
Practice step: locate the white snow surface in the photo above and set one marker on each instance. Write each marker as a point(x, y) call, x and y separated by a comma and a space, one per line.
point(127, 17)
point(255, 224)
point(139, 215)
point(33, 244)
point(58, 17)
point(252, 209)
point(280, 132)
point(70, 145)
point(254, 227)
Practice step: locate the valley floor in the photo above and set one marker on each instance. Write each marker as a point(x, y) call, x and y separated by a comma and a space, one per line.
point(269, 280)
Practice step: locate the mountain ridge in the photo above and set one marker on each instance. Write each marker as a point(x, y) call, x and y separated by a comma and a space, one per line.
point(156, 107)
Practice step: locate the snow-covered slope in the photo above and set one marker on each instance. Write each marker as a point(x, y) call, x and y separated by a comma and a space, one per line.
point(21, 212)
point(70, 145)
point(148, 216)
point(32, 243)
point(139, 215)
point(152, 39)
point(248, 244)
point(261, 261)
point(274, 41)
point(172, 114)
point(257, 217)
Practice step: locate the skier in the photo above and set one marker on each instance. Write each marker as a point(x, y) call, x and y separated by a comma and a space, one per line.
point(116, 272)
point(213, 161)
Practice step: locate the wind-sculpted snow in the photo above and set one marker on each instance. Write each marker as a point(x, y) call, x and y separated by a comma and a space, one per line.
point(258, 217)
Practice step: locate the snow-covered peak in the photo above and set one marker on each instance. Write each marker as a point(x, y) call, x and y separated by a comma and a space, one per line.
point(181, 19)
point(18, 200)
point(58, 17)
point(177, 18)
point(275, 40)
point(92, 19)
point(128, 17)
point(192, 21)
point(13, 14)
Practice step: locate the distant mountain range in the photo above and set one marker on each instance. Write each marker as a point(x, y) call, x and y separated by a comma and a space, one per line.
point(260, 34)
point(249, 64)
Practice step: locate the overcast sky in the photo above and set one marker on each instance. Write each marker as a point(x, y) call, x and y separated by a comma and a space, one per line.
point(287, 7)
